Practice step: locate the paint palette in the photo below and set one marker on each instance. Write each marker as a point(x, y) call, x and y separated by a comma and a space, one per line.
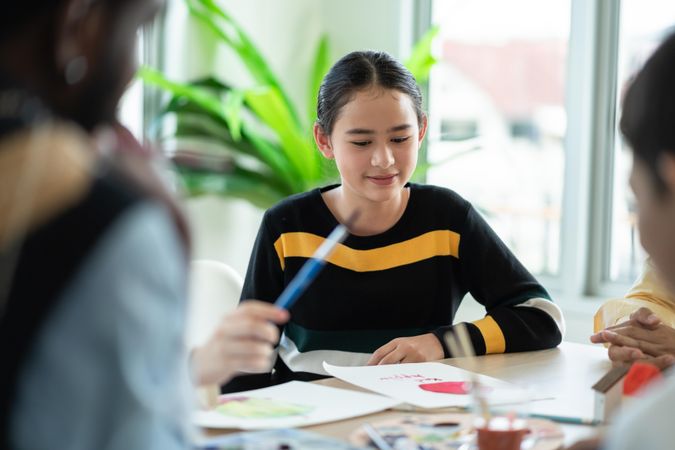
point(451, 431)
point(282, 439)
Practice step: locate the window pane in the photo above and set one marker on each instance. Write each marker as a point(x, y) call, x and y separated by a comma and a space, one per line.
point(644, 23)
point(497, 117)
point(131, 104)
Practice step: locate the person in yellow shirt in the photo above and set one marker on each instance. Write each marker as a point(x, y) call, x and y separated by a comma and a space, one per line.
point(648, 292)
point(640, 325)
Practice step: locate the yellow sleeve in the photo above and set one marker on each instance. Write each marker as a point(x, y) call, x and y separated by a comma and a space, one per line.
point(648, 291)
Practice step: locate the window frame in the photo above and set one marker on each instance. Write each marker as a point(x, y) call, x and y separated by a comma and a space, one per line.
point(591, 136)
point(590, 104)
point(153, 37)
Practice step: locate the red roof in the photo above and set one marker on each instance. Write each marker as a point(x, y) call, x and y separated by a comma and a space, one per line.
point(518, 75)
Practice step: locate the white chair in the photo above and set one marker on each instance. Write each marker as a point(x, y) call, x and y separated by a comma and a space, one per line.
point(214, 291)
point(215, 288)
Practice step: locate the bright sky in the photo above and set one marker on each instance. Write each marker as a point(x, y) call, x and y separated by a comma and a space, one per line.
point(645, 16)
point(490, 20)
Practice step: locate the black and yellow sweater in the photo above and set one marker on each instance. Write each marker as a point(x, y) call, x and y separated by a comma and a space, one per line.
point(406, 281)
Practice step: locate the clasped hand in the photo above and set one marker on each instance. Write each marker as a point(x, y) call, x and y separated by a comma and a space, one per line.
point(642, 337)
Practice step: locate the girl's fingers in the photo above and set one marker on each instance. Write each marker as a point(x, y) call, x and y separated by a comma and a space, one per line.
point(393, 357)
point(381, 353)
point(621, 354)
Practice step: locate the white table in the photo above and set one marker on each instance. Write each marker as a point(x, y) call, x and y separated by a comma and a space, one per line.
point(565, 373)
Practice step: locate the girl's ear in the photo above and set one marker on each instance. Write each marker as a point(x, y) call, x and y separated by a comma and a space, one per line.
point(423, 130)
point(323, 142)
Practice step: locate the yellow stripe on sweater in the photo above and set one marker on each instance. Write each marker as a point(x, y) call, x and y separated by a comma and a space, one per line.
point(425, 246)
point(492, 334)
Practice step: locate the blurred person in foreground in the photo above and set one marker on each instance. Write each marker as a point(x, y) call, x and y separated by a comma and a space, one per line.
point(92, 264)
point(647, 124)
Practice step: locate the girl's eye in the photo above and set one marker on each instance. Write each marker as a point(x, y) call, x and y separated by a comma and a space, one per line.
point(400, 140)
point(361, 143)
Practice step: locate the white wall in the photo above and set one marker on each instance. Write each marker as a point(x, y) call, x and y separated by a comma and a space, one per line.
point(286, 32)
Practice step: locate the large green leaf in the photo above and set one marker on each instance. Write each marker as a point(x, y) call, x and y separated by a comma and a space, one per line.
point(319, 69)
point(195, 123)
point(294, 178)
point(201, 101)
point(421, 59)
point(268, 104)
point(234, 36)
point(212, 83)
point(230, 33)
point(200, 96)
point(195, 129)
point(232, 108)
point(241, 183)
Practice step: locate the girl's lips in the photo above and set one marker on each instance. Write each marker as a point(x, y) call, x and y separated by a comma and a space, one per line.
point(383, 180)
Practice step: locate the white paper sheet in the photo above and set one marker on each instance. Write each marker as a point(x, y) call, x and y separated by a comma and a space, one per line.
point(403, 381)
point(292, 404)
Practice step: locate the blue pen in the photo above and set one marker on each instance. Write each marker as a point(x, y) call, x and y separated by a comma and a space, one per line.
point(313, 266)
point(567, 419)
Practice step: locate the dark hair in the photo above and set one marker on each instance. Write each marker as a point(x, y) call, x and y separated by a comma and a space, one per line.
point(648, 118)
point(18, 13)
point(357, 71)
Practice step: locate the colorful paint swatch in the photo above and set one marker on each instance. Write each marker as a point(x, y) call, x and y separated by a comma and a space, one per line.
point(288, 405)
point(260, 408)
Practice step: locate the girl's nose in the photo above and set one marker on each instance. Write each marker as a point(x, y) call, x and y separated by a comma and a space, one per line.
point(382, 157)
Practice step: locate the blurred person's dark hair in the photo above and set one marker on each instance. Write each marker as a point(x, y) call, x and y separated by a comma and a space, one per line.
point(649, 110)
point(91, 271)
point(77, 56)
point(15, 14)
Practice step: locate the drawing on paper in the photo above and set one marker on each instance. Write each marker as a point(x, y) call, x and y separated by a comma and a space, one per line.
point(413, 378)
point(448, 387)
point(431, 384)
point(260, 408)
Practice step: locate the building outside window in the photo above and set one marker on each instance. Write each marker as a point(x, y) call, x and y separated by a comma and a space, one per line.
point(498, 121)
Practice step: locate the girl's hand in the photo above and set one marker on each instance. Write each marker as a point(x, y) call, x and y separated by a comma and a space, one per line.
point(642, 336)
point(243, 342)
point(643, 317)
point(425, 347)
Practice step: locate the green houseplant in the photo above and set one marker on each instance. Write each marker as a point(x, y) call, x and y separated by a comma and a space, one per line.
point(265, 140)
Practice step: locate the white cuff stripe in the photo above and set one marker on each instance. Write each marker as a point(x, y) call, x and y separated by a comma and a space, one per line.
point(549, 308)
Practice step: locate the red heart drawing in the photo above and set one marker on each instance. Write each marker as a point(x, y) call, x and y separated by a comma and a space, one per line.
point(447, 387)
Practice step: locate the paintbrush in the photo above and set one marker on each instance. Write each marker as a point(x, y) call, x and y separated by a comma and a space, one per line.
point(459, 344)
point(313, 265)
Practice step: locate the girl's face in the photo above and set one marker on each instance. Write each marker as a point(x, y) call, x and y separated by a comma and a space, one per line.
point(374, 142)
point(656, 214)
